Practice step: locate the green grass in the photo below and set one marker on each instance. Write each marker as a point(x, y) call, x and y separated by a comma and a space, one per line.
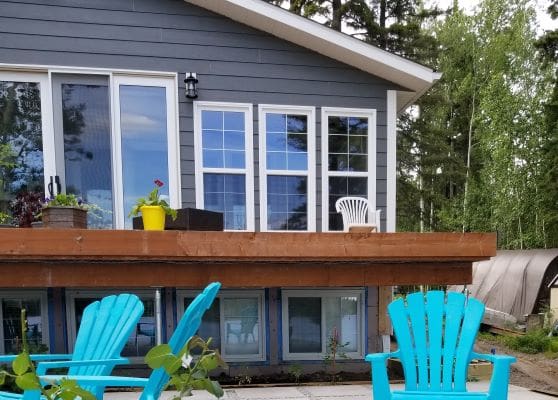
point(531, 343)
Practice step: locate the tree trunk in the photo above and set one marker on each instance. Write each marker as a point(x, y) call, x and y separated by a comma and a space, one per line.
point(336, 15)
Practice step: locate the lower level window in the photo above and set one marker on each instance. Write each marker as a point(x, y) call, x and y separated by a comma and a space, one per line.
point(313, 318)
point(35, 303)
point(141, 339)
point(234, 322)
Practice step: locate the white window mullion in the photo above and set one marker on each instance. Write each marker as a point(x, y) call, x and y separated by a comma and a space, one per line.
point(116, 146)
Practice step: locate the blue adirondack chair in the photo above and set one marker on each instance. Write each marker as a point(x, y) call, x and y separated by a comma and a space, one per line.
point(153, 386)
point(103, 332)
point(435, 335)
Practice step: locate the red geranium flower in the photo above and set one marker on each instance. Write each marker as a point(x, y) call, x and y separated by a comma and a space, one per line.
point(158, 182)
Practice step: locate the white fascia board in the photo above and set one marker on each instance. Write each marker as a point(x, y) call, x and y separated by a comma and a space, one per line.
point(314, 36)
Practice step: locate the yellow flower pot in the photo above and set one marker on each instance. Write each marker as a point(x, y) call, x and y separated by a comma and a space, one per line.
point(153, 218)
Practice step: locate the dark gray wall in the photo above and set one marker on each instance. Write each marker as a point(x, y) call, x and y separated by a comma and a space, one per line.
point(234, 62)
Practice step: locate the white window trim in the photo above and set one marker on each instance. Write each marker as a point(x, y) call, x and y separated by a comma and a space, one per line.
point(26, 295)
point(72, 295)
point(391, 167)
point(370, 174)
point(247, 171)
point(310, 172)
point(286, 293)
point(43, 75)
point(173, 144)
point(228, 294)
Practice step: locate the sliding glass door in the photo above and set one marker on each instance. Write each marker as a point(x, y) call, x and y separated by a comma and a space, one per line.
point(103, 137)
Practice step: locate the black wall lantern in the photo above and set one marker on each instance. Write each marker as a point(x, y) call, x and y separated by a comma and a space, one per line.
point(191, 85)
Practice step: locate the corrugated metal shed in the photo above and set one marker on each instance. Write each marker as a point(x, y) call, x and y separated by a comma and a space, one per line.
point(515, 282)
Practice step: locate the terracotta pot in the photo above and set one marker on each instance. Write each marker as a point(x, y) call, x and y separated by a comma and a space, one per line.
point(65, 217)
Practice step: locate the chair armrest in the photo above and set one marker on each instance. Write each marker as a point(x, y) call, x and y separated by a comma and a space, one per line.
point(500, 375)
point(38, 357)
point(43, 367)
point(380, 381)
point(494, 358)
point(117, 381)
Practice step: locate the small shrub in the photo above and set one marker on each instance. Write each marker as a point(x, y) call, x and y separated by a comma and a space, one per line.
point(296, 371)
point(531, 343)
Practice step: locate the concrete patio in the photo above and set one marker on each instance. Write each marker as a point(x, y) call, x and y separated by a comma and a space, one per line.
point(321, 392)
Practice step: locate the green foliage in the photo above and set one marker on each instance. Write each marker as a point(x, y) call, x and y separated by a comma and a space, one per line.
point(334, 351)
point(65, 200)
point(5, 218)
point(477, 154)
point(186, 372)
point(296, 371)
point(533, 342)
point(153, 199)
point(26, 377)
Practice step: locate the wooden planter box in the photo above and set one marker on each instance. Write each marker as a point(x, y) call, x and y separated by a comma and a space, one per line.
point(64, 217)
point(189, 219)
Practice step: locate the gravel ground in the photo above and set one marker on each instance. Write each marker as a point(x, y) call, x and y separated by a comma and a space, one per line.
point(532, 371)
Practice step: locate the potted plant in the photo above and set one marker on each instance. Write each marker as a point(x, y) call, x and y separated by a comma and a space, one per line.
point(5, 220)
point(26, 208)
point(153, 209)
point(64, 211)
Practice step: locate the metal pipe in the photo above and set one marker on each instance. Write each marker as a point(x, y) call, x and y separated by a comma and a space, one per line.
point(158, 317)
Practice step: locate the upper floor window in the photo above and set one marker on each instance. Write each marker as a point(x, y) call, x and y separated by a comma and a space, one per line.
point(348, 160)
point(224, 172)
point(287, 168)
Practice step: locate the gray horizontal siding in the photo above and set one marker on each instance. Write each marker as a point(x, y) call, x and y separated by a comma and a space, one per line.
point(234, 62)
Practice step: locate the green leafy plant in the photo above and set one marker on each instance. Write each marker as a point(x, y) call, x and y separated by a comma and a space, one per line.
point(335, 350)
point(188, 372)
point(533, 342)
point(296, 371)
point(26, 377)
point(244, 378)
point(5, 218)
point(65, 200)
point(153, 199)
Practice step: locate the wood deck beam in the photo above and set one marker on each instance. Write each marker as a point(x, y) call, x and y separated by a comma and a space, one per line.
point(111, 258)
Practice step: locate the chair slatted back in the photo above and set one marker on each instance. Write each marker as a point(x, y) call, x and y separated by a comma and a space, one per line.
point(354, 210)
point(435, 335)
point(103, 332)
point(187, 327)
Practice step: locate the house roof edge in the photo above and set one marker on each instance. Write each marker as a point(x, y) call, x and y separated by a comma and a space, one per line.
point(416, 78)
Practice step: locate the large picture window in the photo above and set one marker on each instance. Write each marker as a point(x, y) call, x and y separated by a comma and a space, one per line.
point(348, 160)
point(312, 318)
point(235, 322)
point(287, 168)
point(224, 162)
